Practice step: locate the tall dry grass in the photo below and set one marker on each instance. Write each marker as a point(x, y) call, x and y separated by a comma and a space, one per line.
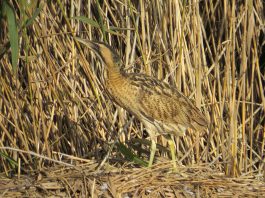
point(55, 104)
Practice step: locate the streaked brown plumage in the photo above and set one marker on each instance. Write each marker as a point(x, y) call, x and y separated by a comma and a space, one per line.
point(161, 108)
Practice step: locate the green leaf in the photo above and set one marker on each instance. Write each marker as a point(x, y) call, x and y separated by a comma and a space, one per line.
point(35, 14)
point(87, 21)
point(129, 155)
point(12, 162)
point(95, 24)
point(9, 12)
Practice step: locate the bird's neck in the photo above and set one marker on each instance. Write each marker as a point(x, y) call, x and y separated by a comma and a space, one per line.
point(113, 72)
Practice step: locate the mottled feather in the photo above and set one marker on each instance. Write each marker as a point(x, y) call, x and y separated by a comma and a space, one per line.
point(156, 102)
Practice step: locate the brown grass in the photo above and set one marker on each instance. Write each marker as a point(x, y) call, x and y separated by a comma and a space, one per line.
point(190, 181)
point(55, 108)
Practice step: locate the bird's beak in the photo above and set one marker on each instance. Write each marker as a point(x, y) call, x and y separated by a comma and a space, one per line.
point(91, 45)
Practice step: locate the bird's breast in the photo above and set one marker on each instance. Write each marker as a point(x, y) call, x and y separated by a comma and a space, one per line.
point(123, 93)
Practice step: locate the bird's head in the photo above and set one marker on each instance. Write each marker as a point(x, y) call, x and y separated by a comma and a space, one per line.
point(109, 57)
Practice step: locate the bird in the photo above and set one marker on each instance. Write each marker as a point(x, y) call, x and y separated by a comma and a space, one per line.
point(161, 108)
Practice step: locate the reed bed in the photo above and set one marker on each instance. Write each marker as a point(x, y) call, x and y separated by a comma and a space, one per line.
point(54, 109)
point(191, 181)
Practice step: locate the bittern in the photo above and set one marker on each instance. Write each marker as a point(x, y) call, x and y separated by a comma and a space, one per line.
point(161, 108)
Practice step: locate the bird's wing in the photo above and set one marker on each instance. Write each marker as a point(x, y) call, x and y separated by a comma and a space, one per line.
point(166, 105)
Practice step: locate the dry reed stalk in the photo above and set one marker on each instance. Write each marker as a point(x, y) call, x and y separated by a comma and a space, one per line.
point(211, 50)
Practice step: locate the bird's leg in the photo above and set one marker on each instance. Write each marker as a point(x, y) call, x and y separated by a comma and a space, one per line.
point(172, 150)
point(152, 153)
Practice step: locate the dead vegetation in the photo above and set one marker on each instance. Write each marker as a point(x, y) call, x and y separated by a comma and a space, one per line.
point(190, 181)
point(53, 108)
